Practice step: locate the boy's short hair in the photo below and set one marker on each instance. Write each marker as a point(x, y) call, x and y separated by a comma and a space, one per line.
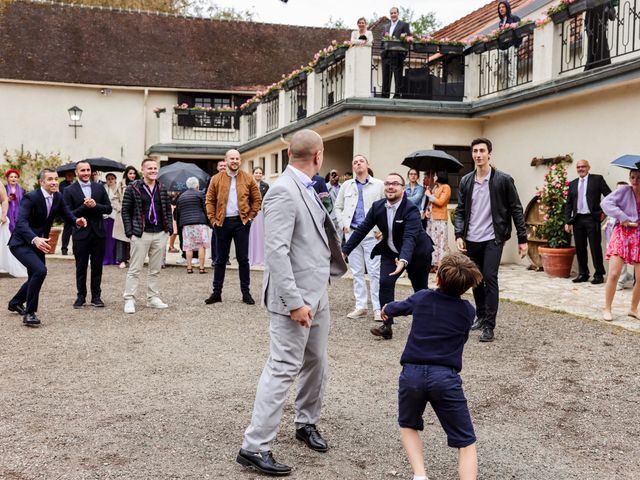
point(457, 273)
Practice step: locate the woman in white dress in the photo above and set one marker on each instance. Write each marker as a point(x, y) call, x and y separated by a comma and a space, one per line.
point(8, 263)
point(362, 35)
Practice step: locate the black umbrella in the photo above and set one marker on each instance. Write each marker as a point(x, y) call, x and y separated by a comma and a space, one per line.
point(432, 160)
point(174, 176)
point(99, 164)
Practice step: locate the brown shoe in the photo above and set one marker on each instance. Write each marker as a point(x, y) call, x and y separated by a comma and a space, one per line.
point(384, 331)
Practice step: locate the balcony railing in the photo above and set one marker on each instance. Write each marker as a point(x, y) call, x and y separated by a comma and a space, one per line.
point(205, 126)
point(592, 38)
point(272, 108)
point(426, 73)
point(252, 123)
point(298, 102)
point(332, 83)
point(505, 69)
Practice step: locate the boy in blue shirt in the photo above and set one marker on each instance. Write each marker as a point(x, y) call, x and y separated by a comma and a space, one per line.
point(432, 360)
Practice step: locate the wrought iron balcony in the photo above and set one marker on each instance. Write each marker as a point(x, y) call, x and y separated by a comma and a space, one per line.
point(199, 125)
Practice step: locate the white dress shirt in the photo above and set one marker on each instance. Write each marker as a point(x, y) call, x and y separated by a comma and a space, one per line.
point(582, 205)
point(86, 188)
point(391, 215)
point(232, 201)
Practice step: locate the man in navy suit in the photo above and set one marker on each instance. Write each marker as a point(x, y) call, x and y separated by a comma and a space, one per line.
point(30, 241)
point(90, 200)
point(393, 60)
point(404, 244)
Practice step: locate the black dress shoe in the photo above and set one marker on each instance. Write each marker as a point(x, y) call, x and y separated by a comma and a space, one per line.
point(477, 325)
point(65, 251)
point(581, 279)
point(384, 331)
point(262, 462)
point(79, 303)
point(597, 279)
point(487, 335)
point(310, 435)
point(16, 307)
point(248, 299)
point(30, 320)
point(97, 302)
point(215, 297)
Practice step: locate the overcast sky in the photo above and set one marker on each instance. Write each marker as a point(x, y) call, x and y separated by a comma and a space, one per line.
point(317, 13)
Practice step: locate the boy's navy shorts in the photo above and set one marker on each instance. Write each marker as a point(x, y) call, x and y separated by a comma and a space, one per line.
point(442, 387)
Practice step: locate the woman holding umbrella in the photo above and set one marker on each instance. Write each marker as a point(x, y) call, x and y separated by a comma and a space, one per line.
point(623, 204)
point(437, 227)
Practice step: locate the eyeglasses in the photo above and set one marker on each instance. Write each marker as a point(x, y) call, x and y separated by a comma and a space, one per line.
point(393, 184)
point(413, 173)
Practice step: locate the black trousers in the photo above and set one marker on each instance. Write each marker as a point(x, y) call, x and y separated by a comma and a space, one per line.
point(417, 270)
point(89, 249)
point(586, 228)
point(66, 235)
point(393, 64)
point(232, 229)
point(486, 255)
point(33, 260)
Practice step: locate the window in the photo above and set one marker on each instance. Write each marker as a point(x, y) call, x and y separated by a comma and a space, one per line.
point(274, 163)
point(463, 155)
point(209, 119)
point(285, 159)
point(262, 163)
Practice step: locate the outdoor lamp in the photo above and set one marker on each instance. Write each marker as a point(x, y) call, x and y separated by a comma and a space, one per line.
point(75, 114)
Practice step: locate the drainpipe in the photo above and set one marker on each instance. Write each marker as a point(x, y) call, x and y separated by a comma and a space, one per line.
point(144, 118)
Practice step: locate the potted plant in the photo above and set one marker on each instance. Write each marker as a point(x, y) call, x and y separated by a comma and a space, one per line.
point(478, 44)
point(507, 36)
point(576, 7)
point(425, 44)
point(182, 109)
point(392, 43)
point(451, 47)
point(557, 256)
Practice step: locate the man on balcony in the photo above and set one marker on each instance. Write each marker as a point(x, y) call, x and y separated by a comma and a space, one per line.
point(393, 60)
point(233, 201)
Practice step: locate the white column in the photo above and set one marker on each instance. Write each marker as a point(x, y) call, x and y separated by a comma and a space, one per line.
point(358, 72)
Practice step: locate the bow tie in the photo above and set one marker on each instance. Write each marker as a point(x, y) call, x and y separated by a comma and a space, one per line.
point(310, 184)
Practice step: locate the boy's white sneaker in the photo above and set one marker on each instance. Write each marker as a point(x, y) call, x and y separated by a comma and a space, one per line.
point(155, 302)
point(129, 306)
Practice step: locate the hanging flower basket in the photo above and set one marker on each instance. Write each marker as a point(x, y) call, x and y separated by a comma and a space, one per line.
point(425, 47)
point(524, 30)
point(451, 49)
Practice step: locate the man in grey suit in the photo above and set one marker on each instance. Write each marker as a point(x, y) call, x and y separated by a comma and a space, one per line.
point(301, 252)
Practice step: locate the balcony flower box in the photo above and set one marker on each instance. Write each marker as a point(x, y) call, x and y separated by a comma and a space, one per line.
point(291, 83)
point(560, 16)
point(478, 47)
point(181, 111)
point(395, 46)
point(339, 53)
point(302, 77)
point(451, 49)
point(271, 96)
point(425, 47)
point(249, 109)
point(506, 38)
point(491, 44)
point(577, 7)
point(321, 65)
point(524, 30)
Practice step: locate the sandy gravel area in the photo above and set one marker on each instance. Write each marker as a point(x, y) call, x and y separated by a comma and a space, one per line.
point(97, 394)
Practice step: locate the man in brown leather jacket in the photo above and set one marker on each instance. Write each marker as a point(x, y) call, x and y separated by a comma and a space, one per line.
point(233, 200)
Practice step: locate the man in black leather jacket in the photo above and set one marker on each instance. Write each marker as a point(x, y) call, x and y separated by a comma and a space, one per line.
point(487, 201)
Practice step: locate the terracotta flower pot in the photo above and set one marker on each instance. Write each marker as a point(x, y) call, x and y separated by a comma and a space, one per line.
point(557, 262)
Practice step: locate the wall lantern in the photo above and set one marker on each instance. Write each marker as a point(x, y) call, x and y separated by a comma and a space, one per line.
point(75, 114)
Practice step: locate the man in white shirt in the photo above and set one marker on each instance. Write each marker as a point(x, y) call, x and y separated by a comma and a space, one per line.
point(354, 201)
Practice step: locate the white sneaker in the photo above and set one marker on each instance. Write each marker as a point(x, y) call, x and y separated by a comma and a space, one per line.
point(155, 302)
point(358, 313)
point(129, 306)
point(181, 261)
point(377, 317)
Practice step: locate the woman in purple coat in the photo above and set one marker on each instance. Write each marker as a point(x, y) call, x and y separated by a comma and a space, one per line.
point(15, 193)
point(624, 247)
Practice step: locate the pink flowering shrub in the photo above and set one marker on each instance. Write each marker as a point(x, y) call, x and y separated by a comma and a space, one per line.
point(552, 199)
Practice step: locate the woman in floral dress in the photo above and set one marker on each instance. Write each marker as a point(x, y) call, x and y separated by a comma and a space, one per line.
point(624, 247)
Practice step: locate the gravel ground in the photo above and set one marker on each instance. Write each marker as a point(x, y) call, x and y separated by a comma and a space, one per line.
point(97, 394)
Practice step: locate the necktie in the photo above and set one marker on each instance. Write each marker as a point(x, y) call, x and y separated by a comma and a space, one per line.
point(581, 195)
point(49, 199)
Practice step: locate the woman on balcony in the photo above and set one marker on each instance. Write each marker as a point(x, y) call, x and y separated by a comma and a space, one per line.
point(256, 234)
point(362, 35)
point(623, 204)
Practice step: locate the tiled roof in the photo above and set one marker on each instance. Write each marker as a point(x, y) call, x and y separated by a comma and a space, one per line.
point(73, 44)
point(476, 21)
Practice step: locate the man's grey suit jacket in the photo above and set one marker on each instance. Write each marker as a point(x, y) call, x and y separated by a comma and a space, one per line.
point(302, 249)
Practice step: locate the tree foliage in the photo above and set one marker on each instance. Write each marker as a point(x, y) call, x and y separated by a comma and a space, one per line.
point(29, 165)
point(424, 24)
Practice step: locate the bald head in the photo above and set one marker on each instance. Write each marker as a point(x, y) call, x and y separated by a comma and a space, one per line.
point(305, 145)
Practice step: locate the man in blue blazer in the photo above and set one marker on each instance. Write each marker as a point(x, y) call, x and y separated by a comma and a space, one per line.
point(403, 244)
point(30, 241)
point(90, 200)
